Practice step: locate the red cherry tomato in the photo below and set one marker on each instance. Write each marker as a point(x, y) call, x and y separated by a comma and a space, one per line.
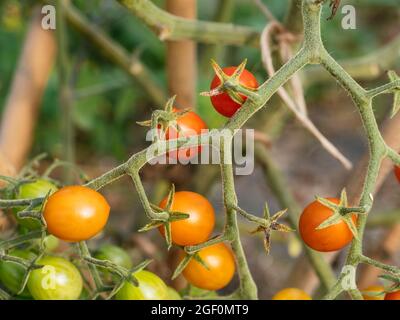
point(397, 172)
point(393, 295)
point(190, 124)
point(76, 213)
point(222, 102)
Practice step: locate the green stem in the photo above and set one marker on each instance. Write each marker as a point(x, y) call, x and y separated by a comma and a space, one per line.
point(85, 253)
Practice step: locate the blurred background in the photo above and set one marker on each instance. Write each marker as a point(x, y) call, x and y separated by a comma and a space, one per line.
point(104, 100)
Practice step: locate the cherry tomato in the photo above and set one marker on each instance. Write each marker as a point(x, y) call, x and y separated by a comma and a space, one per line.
point(58, 279)
point(222, 102)
point(190, 124)
point(76, 213)
point(373, 293)
point(200, 224)
point(397, 172)
point(173, 294)
point(221, 268)
point(332, 238)
point(393, 295)
point(291, 294)
point(114, 254)
point(37, 189)
point(151, 287)
point(12, 274)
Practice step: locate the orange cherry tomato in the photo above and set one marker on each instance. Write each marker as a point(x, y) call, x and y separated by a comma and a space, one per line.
point(200, 224)
point(76, 213)
point(373, 293)
point(221, 268)
point(291, 294)
point(332, 238)
point(393, 295)
point(222, 102)
point(397, 172)
point(190, 124)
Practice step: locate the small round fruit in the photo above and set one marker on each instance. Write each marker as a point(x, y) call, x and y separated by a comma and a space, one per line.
point(12, 274)
point(393, 295)
point(397, 172)
point(373, 293)
point(76, 213)
point(151, 287)
point(173, 294)
point(332, 238)
point(37, 189)
point(221, 268)
point(114, 254)
point(222, 102)
point(200, 224)
point(58, 279)
point(291, 294)
point(190, 124)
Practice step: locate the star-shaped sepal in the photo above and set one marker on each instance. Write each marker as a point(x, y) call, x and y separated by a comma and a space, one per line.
point(230, 84)
point(170, 215)
point(341, 212)
point(163, 119)
point(271, 224)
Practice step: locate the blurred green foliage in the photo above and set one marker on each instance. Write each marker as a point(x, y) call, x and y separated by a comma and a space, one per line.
point(108, 103)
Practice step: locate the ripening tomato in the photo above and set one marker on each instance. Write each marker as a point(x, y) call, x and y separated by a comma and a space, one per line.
point(221, 268)
point(76, 213)
point(393, 295)
point(37, 189)
point(173, 294)
point(397, 172)
point(58, 279)
point(291, 294)
point(12, 274)
point(151, 287)
point(222, 102)
point(332, 238)
point(200, 224)
point(114, 254)
point(373, 293)
point(190, 124)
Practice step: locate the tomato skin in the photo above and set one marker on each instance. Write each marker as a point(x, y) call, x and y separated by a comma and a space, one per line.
point(173, 294)
point(221, 268)
point(222, 102)
point(59, 279)
point(37, 189)
point(332, 238)
point(291, 294)
point(200, 224)
point(393, 295)
point(190, 124)
point(12, 274)
point(151, 287)
point(114, 254)
point(397, 172)
point(76, 213)
point(373, 293)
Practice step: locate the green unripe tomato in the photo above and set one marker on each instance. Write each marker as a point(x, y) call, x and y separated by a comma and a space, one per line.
point(59, 279)
point(12, 274)
point(51, 243)
point(151, 287)
point(173, 294)
point(114, 254)
point(30, 190)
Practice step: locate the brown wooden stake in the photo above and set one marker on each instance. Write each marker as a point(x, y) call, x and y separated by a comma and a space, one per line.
point(20, 112)
point(182, 59)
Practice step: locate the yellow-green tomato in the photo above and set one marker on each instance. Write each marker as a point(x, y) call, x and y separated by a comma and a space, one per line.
point(114, 254)
point(173, 294)
point(12, 274)
point(59, 279)
point(36, 189)
point(151, 287)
